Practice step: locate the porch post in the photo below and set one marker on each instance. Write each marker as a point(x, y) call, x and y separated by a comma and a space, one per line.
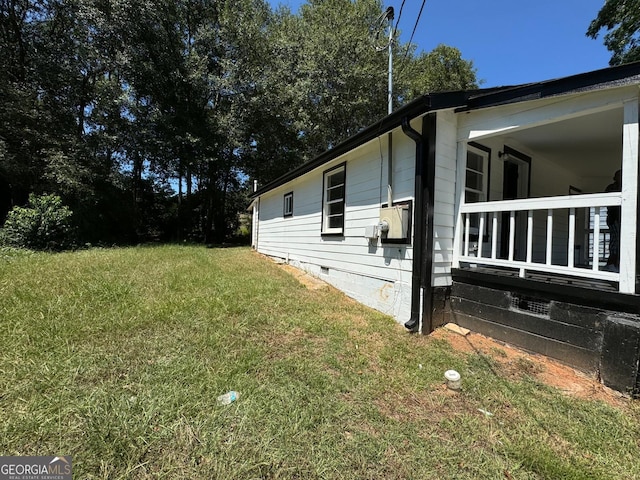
point(629, 208)
point(461, 170)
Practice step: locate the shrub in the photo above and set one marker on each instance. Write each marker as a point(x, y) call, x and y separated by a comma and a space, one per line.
point(45, 224)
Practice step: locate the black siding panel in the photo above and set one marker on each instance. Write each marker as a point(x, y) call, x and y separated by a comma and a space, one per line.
point(577, 357)
point(537, 325)
point(489, 296)
point(620, 354)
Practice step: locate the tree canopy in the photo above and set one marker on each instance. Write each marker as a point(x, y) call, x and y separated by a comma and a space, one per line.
point(148, 118)
point(621, 20)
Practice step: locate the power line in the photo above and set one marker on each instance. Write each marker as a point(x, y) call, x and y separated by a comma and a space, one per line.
point(417, 21)
point(395, 29)
point(406, 53)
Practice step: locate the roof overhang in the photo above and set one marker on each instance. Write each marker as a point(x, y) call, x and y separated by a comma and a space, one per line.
point(414, 109)
point(606, 78)
point(467, 100)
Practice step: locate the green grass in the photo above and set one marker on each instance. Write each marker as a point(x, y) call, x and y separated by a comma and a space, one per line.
point(116, 357)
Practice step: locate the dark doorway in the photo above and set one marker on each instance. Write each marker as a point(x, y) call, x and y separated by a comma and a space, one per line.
point(510, 182)
point(515, 184)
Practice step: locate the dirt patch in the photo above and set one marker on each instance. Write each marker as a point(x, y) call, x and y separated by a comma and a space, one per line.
point(517, 362)
point(431, 405)
point(310, 282)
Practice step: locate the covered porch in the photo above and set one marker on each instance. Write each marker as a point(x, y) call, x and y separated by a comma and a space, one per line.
point(534, 202)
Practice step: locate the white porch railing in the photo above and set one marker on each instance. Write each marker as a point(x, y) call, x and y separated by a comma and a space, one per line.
point(490, 210)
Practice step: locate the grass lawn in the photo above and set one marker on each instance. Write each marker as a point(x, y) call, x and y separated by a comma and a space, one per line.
point(116, 357)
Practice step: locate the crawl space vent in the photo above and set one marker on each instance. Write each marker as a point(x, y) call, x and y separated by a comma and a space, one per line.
point(530, 305)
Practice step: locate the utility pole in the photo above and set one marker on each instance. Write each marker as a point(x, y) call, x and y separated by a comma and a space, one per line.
point(390, 15)
point(385, 20)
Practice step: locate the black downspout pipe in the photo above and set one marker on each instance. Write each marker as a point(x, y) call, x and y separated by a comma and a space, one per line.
point(423, 224)
point(418, 230)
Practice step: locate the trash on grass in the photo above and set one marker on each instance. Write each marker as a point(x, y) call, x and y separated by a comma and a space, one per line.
point(228, 398)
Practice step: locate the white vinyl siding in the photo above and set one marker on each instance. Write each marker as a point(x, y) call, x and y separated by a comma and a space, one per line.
point(378, 276)
point(445, 191)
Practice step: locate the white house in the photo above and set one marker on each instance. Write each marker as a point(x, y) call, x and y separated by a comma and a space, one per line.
point(485, 208)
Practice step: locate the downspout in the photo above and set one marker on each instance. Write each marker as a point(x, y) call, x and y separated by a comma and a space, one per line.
point(423, 223)
point(390, 170)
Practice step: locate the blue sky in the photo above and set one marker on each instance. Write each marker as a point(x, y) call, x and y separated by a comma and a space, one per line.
point(509, 41)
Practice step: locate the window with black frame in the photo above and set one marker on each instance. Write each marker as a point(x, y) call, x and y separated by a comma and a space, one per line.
point(333, 201)
point(288, 204)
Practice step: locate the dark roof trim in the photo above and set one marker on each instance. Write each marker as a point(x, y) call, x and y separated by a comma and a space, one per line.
point(469, 100)
point(412, 110)
point(618, 76)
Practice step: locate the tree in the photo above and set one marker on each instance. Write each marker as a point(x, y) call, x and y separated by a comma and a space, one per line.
point(110, 104)
point(20, 112)
point(324, 81)
point(441, 69)
point(340, 81)
point(193, 68)
point(621, 19)
point(47, 89)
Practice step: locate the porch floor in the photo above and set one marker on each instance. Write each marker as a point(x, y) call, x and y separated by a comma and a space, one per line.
point(548, 278)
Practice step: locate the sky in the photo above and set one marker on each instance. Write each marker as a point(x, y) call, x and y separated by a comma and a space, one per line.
point(509, 41)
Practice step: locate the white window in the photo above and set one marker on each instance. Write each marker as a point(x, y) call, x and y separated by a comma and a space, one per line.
point(288, 204)
point(333, 200)
point(477, 176)
point(476, 188)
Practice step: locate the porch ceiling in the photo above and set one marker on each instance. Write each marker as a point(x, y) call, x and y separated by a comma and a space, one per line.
point(591, 144)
